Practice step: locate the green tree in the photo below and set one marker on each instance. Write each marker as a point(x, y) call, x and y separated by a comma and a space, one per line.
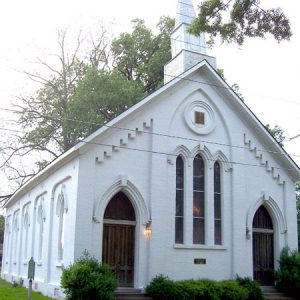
point(44, 116)
point(84, 88)
point(141, 55)
point(100, 97)
point(277, 132)
point(234, 20)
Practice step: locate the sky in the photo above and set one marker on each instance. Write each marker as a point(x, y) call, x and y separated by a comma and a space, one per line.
point(266, 72)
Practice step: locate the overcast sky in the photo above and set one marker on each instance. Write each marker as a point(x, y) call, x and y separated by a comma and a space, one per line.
point(267, 72)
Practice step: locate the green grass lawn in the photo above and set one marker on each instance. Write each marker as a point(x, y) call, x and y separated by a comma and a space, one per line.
point(8, 292)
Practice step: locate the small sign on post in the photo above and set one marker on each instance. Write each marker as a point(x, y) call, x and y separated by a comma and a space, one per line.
point(31, 268)
point(31, 271)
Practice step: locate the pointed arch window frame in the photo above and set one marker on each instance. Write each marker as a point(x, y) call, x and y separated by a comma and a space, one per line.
point(8, 237)
point(61, 210)
point(199, 199)
point(26, 225)
point(40, 219)
point(15, 239)
point(180, 199)
point(218, 205)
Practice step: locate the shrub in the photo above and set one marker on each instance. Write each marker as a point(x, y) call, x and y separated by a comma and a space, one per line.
point(161, 288)
point(203, 289)
point(288, 275)
point(87, 279)
point(253, 288)
point(231, 290)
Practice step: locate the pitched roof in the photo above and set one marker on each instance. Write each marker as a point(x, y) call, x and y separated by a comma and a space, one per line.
point(219, 82)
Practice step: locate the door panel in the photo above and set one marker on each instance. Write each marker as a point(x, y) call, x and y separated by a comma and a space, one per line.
point(118, 251)
point(263, 258)
point(263, 247)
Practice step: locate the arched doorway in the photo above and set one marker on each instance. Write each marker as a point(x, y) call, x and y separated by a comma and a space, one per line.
point(263, 247)
point(119, 238)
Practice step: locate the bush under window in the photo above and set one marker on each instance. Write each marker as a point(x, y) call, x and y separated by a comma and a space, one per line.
point(163, 288)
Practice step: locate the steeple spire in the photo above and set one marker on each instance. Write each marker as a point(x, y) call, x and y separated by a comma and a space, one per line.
point(185, 12)
point(187, 49)
point(181, 38)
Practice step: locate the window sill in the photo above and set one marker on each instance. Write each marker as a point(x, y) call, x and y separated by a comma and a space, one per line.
point(199, 247)
point(59, 264)
point(39, 263)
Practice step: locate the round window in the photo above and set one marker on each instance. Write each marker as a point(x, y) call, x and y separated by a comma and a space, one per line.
point(200, 117)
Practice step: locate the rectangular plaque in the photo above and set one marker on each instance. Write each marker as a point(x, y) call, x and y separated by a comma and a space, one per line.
point(200, 261)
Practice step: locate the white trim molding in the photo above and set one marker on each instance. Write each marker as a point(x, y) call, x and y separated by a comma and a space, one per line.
point(128, 188)
point(270, 204)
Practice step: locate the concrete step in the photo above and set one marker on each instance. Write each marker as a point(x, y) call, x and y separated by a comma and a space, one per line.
point(271, 293)
point(132, 297)
point(277, 296)
point(131, 294)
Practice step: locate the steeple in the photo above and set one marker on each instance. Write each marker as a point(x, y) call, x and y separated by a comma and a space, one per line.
point(187, 49)
point(185, 12)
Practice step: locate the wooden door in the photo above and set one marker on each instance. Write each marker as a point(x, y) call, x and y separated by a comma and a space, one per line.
point(263, 247)
point(118, 251)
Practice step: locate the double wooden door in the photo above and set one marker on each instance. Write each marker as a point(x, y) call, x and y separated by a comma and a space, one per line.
point(263, 247)
point(118, 251)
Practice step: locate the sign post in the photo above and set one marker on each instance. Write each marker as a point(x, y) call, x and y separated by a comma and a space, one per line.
point(31, 271)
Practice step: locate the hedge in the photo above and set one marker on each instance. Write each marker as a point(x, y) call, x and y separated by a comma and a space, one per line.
point(163, 288)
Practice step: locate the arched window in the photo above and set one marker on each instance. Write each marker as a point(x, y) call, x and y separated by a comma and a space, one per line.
point(198, 200)
point(16, 237)
point(26, 224)
point(61, 210)
point(179, 200)
point(60, 215)
point(40, 222)
point(217, 204)
point(7, 233)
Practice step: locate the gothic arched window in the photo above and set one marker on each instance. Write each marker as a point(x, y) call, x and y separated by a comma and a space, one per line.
point(15, 239)
point(40, 222)
point(7, 233)
point(61, 210)
point(217, 204)
point(179, 200)
point(198, 200)
point(26, 224)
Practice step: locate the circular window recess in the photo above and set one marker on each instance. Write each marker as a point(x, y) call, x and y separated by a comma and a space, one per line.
point(200, 117)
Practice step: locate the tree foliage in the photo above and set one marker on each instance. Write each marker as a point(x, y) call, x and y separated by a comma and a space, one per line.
point(234, 20)
point(277, 132)
point(141, 55)
point(100, 97)
point(82, 87)
point(288, 275)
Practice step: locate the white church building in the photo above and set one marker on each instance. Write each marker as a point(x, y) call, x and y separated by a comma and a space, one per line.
point(186, 183)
